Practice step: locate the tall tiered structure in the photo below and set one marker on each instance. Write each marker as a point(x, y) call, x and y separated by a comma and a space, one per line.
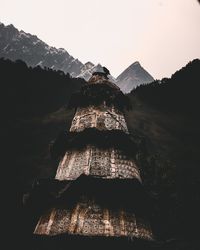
point(102, 193)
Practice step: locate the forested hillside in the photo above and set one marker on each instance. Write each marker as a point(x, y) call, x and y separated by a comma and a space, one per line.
point(165, 115)
point(33, 112)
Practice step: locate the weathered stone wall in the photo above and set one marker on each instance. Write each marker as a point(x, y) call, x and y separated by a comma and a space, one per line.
point(102, 118)
point(98, 162)
point(88, 219)
point(97, 79)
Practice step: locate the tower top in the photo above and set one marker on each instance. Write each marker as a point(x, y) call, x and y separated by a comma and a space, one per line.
point(101, 71)
point(102, 75)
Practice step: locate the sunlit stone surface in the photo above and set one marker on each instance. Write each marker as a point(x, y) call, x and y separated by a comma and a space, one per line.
point(89, 219)
point(86, 217)
point(102, 118)
point(93, 161)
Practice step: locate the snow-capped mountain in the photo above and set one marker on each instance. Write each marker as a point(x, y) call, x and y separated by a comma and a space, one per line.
point(15, 44)
point(86, 71)
point(132, 77)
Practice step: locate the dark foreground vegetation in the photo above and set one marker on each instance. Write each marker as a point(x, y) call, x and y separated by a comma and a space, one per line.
point(166, 114)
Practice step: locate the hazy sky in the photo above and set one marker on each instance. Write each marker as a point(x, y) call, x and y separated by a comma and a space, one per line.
point(162, 34)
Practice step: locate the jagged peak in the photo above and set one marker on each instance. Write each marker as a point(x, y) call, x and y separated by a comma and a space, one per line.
point(43, 53)
point(24, 34)
point(10, 26)
point(133, 76)
point(136, 63)
point(90, 64)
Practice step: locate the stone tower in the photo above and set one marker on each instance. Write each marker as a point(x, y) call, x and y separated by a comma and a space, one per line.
point(101, 193)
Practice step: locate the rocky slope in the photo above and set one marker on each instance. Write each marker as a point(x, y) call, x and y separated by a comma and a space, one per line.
point(15, 44)
point(132, 77)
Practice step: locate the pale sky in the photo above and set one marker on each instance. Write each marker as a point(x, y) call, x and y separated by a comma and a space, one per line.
point(163, 35)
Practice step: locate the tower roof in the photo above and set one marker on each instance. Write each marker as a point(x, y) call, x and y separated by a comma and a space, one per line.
point(102, 75)
point(101, 70)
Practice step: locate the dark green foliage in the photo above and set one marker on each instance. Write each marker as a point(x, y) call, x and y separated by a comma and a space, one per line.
point(180, 93)
point(97, 94)
point(33, 102)
point(168, 156)
point(91, 242)
point(28, 92)
point(47, 193)
point(103, 139)
point(166, 113)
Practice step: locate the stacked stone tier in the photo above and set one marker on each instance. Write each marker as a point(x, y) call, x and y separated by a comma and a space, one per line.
point(102, 118)
point(110, 163)
point(89, 219)
point(86, 217)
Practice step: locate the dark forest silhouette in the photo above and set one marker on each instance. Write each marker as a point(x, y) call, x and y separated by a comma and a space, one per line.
point(180, 93)
point(34, 91)
point(165, 114)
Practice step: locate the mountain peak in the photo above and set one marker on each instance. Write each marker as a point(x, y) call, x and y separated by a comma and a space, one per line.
point(132, 77)
point(89, 64)
point(17, 44)
point(10, 26)
point(136, 63)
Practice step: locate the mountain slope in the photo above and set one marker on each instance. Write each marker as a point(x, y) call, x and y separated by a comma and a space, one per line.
point(86, 71)
point(166, 114)
point(15, 44)
point(132, 77)
point(30, 92)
